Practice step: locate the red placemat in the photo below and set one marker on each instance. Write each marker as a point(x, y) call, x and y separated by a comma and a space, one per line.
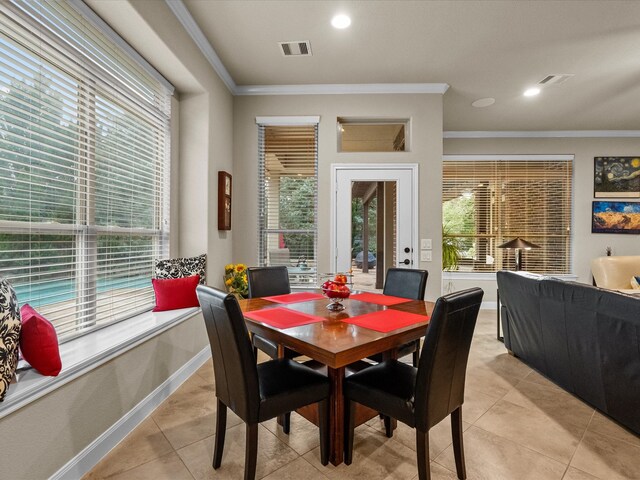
point(282, 317)
point(379, 299)
point(294, 297)
point(386, 320)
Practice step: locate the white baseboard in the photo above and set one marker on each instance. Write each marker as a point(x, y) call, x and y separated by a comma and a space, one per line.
point(96, 450)
point(489, 305)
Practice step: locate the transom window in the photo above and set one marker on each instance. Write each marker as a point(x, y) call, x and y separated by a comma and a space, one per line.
point(373, 134)
point(84, 152)
point(489, 200)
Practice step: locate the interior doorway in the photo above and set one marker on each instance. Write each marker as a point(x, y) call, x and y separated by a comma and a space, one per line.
point(373, 221)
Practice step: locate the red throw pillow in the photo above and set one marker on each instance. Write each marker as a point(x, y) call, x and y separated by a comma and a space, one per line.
point(173, 293)
point(39, 342)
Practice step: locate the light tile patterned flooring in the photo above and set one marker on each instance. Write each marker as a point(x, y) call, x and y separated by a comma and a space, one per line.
point(518, 425)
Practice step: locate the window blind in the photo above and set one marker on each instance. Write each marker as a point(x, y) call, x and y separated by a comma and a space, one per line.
point(288, 197)
point(489, 202)
point(84, 167)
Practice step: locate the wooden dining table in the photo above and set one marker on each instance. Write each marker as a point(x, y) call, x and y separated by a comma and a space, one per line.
point(337, 346)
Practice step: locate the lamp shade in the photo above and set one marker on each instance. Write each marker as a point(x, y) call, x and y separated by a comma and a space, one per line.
point(518, 243)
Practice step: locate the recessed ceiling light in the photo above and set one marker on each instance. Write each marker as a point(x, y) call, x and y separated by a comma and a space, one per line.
point(531, 92)
point(483, 102)
point(341, 21)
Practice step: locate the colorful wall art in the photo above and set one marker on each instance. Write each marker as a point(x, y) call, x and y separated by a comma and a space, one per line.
point(615, 217)
point(616, 177)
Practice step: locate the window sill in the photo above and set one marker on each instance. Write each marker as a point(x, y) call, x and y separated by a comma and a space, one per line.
point(85, 353)
point(488, 276)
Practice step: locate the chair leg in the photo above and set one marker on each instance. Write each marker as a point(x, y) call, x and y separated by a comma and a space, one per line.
point(221, 428)
point(251, 454)
point(422, 452)
point(416, 354)
point(323, 420)
point(388, 428)
point(349, 426)
point(458, 447)
point(286, 423)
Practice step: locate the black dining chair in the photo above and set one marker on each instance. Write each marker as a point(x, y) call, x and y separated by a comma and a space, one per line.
point(422, 397)
point(266, 282)
point(405, 283)
point(255, 392)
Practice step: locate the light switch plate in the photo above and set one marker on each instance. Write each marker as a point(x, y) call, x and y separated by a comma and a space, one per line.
point(426, 244)
point(425, 256)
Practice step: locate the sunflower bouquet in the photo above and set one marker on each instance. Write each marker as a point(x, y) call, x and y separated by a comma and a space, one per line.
point(235, 279)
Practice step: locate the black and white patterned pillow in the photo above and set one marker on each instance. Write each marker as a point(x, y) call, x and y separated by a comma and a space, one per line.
point(10, 326)
point(182, 267)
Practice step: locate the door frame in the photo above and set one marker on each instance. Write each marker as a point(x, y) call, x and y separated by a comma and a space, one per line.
point(333, 230)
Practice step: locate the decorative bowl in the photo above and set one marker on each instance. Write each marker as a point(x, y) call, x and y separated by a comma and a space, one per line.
point(335, 289)
point(337, 293)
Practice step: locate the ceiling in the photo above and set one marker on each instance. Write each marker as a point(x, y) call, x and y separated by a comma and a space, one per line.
point(480, 48)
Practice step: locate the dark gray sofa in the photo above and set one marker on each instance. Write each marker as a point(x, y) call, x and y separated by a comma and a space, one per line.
point(583, 338)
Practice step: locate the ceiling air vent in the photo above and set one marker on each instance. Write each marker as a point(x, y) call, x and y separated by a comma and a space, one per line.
point(555, 79)
point(301, 48)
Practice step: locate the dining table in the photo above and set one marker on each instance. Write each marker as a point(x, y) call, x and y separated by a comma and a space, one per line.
point(337, 341)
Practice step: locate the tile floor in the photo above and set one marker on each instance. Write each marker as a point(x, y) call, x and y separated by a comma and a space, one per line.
point(518, 425)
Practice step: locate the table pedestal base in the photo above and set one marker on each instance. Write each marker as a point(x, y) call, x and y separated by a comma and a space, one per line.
point(336, 427)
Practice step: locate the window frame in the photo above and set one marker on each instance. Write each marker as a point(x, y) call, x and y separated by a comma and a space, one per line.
point(499, 258)
point(372, 122)
point(154, 113)
point(297, 279)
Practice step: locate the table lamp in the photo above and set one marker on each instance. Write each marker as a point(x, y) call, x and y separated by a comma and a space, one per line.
point(518, 244)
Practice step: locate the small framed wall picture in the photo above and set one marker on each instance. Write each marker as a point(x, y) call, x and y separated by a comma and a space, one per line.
point(615, 217)
point(224, 200)
point(616, 177)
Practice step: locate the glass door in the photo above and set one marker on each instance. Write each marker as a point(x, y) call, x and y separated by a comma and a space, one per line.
point(375, 225)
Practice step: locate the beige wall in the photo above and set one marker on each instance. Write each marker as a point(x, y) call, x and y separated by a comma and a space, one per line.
point(425, 112)
point(585, 244)
point(40, 438)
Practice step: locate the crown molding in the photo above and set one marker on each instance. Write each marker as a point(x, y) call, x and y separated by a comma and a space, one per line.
point(184, 17)
point(544, 134)
point(342, 89)
point(480, 158)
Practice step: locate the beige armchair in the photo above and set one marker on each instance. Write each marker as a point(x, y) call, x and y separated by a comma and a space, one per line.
point(614, 273)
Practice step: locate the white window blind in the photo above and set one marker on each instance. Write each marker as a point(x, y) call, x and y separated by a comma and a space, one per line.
point(288, 193)
point(489, 202)
point(84, 166)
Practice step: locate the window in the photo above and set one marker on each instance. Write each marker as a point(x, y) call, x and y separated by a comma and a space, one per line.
point(373, 135)
point(84, 152)
point(487, 201)
point(288, 197)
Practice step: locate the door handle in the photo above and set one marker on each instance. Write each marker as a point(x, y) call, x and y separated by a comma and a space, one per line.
point(406, 261)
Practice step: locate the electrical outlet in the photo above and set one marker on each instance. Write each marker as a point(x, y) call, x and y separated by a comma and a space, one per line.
point(425, 256)
point(425, 244)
